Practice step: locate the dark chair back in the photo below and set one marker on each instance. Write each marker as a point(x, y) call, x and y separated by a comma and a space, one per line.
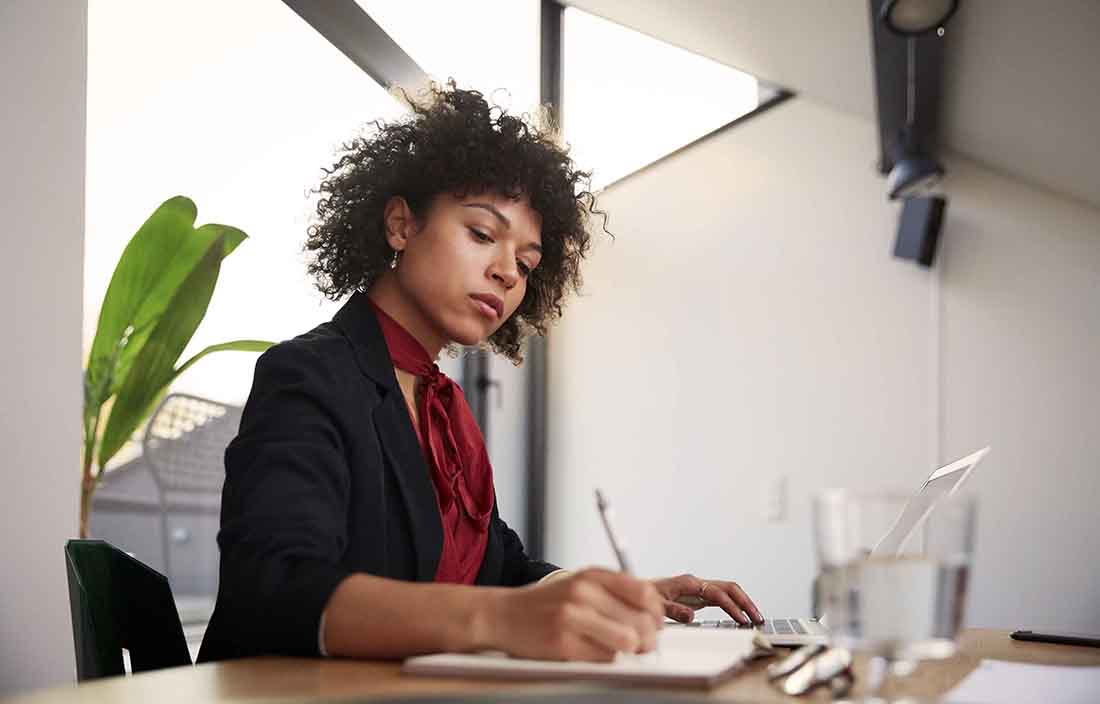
point(117, 602)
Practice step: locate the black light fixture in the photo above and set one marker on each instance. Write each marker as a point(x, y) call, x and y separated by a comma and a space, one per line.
point(914, 170)
point(907, 127)
point(913, 175)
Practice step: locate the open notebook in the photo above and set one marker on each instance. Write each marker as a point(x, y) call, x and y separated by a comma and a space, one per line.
point(687, 657)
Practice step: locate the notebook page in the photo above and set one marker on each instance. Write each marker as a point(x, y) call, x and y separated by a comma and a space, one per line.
point(684, 655)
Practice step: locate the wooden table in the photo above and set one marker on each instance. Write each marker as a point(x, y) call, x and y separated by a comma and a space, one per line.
point(299, 679)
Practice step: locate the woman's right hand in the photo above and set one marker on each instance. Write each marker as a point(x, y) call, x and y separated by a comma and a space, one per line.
point(589, 615)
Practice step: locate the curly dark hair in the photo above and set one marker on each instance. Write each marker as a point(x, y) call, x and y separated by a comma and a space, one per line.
point(454, 142)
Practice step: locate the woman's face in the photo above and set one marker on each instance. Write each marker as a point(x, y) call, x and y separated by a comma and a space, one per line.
point(465, 266)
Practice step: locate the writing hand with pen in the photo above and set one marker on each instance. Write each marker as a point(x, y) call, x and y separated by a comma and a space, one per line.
point(590, 615)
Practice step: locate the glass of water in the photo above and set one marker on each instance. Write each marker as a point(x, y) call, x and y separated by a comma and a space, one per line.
point(893, 576)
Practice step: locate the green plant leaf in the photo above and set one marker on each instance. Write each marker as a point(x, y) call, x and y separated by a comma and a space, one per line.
point(155, 263)
point(162, 293)
point(235, 345)
point(154, 366)
point(145, 257)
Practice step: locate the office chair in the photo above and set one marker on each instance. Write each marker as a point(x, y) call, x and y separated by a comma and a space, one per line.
point(117, 602)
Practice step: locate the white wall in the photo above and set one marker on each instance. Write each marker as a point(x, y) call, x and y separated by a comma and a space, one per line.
point(1021, 366)
point(750, 323)
point(42, 88)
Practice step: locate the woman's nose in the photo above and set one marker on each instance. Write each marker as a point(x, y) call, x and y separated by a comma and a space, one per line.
point(506, 271)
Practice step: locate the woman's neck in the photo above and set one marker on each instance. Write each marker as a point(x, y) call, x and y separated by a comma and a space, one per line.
point(385, 294)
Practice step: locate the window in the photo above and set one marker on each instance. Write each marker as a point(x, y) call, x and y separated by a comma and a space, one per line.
point(629, 99)
point(488, 45)
point(238, 106)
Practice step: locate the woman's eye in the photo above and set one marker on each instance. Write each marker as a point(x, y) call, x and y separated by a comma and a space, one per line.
point(481, 235)
point(524, 269)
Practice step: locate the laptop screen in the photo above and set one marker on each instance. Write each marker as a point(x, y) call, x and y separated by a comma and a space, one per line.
point(943, 482)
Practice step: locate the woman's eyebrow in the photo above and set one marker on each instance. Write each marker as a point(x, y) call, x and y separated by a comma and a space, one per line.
point(492, 209)
point(507, 223)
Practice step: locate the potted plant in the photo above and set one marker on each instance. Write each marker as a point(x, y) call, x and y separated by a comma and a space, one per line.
point(157, 297)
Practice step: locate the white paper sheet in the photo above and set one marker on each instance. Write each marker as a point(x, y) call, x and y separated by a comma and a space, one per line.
point(687, 656)
point(1000, 681)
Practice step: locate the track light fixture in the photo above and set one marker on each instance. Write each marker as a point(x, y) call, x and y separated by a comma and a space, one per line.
point(915, 171)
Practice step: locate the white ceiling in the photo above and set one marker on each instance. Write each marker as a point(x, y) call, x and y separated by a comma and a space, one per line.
point(1021, 83)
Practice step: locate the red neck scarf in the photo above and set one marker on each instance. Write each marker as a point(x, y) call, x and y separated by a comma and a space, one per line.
point(455, 449)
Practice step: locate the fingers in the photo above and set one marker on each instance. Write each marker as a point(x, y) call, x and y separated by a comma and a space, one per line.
point(592, 635)
point(589, 615)
point(690, 591)
point(743, 601)
point(636, 593)
point(722, 599)
point(613, 611)
point(580, 648)
point(679, 612)
point(684, 586)
point(692, 601)
point(734, 601)
point(640, 624)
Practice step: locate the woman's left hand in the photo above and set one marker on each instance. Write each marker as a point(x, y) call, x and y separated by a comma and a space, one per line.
point(709, 592)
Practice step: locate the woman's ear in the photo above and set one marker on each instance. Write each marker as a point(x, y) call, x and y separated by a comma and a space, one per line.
point(399, 222)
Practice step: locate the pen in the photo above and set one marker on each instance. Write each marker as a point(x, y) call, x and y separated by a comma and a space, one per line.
point(616, 546)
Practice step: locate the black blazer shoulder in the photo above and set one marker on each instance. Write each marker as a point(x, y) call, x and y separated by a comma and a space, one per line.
point(326, 478)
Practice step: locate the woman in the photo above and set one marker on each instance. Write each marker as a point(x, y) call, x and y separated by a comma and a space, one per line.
point(358, 515)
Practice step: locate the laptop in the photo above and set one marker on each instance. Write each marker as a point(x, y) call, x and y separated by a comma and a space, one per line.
point(794, 632)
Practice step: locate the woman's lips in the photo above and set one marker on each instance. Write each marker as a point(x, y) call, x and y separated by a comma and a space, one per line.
point(485, 307)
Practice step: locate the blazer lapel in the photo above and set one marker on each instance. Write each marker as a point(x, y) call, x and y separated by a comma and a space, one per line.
point(396, 434)
point(402, 449)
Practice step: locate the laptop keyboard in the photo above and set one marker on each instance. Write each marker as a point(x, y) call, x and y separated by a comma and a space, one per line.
point(784, 626)
point(778, 626)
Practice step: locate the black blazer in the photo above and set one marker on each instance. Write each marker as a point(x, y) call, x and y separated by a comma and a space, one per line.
point(326, 478)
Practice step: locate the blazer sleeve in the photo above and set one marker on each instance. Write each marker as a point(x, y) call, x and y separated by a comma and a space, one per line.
point(518, 569)
point(284, 506)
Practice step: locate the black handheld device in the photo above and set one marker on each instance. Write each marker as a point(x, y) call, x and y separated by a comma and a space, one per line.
point(1090, 639)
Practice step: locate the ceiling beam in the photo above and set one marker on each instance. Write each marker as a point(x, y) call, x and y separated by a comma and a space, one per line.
point(351, 30)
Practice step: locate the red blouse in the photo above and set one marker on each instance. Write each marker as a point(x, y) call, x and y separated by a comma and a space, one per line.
point(455, 452)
